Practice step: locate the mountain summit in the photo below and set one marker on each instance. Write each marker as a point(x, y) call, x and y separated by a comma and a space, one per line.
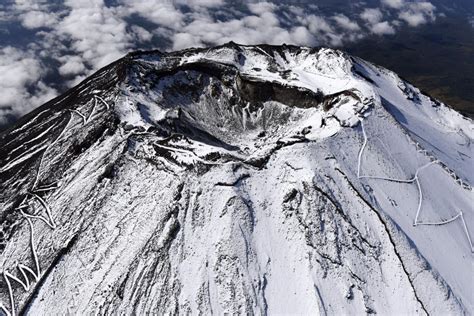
point(238, 179)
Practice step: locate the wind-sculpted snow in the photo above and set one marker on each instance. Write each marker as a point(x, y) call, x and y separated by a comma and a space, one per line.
point(238, 179)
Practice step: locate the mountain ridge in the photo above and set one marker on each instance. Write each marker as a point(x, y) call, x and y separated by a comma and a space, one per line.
point(265, 157)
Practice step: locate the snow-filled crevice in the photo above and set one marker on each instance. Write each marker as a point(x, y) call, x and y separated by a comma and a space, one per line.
point(59, 256)
point(389, 235)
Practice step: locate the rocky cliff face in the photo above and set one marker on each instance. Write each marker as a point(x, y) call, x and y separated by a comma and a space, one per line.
point(238, 179)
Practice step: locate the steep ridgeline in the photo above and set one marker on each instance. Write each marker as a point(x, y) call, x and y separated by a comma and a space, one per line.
point(238, 179)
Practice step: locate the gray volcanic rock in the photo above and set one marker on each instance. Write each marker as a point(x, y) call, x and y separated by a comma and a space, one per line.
point(238, 179)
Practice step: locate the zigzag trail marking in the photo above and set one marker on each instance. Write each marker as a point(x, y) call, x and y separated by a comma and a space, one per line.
point(415, 179)
point(84, 118)
point(103, 101)
point(24, 280)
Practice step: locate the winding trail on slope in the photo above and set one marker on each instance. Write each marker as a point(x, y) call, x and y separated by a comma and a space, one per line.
point(23, 280)
point(415, 179)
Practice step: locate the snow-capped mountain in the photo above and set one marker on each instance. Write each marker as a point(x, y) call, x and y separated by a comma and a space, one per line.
point(238, 179)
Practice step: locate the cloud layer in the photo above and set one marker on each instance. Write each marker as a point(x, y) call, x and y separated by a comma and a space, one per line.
point(77, 37)
point(20, 84)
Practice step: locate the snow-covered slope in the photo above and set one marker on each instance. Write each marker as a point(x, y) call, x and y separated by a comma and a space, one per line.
point(238, 179)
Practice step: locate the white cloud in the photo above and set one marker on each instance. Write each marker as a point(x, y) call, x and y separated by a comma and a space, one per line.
point(318, 24)
point(382, 28)
point(36, 19)
point(18, 70)
point(161, 13)
point(196, 4)
point(344, 22)
point(261, 7)
point(298, 11)
point(263, 27)
point(372, 16)
point(98, 34)
point(141, 34)
point(301, 36)
point(425, 7)
point(72, 65)
point(185, 40)
point(413, 13)
point(323, 30)
point(418, 13)
point(42, 94)
point(4, 16)
point(412, 18)
point(394, 4)
point(20, 74)
point(28, 5)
